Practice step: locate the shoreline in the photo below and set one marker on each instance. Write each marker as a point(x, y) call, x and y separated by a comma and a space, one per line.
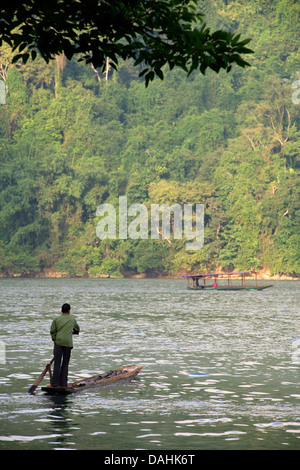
point(51, 273)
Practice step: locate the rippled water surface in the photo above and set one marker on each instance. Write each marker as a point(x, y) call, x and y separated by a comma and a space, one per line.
point(221, 369)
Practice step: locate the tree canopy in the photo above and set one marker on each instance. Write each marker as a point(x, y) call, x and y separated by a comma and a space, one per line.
point(152, 33)
point(72, 139)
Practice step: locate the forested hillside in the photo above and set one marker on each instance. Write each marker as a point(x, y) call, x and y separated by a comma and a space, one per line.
point(72, 138)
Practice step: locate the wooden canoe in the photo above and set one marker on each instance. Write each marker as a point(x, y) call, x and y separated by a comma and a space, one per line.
point(122, 374)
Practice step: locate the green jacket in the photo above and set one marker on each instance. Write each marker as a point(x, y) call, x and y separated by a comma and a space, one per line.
point(62, 329)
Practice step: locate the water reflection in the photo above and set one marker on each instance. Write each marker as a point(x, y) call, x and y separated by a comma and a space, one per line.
point(60, 421)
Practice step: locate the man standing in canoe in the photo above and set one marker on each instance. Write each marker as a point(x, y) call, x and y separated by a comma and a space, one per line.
point(62, 329)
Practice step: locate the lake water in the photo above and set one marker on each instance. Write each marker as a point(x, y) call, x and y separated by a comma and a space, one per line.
point(221, 369)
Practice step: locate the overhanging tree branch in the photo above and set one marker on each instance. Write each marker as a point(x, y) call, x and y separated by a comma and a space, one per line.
point(154, 33)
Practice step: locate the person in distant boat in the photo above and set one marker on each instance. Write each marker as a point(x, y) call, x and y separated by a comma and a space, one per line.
point(61, 331)
point(215, 284)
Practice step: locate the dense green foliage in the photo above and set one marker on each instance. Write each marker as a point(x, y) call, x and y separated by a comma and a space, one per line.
point(71, 140)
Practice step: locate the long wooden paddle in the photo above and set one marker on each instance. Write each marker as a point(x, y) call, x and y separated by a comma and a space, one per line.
point(38, 380)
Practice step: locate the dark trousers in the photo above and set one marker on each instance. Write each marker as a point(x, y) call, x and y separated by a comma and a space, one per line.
point(62, 356)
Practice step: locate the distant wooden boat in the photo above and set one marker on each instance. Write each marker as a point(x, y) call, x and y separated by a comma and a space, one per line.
point(122, 374)
point(233, 281)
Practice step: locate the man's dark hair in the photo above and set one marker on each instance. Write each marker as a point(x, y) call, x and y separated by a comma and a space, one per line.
point(65, 308)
